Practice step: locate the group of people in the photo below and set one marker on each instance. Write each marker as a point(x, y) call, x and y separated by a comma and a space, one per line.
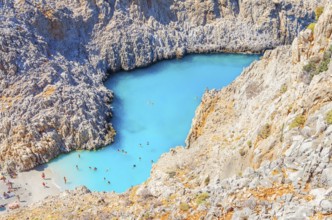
point(109, 182)
point(119, 150)
point(122, 151)
point(9, 194)
point(9, 185)
point(43, 176)
point(44, 183)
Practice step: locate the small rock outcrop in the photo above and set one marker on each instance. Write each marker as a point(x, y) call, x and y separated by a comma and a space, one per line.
point(260, 148)
point(55, 55)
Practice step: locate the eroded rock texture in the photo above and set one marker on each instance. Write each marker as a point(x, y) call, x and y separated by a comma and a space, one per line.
point(260, 148)
point(54, 56)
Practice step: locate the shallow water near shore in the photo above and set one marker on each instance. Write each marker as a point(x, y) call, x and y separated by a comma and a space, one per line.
point(152, 112)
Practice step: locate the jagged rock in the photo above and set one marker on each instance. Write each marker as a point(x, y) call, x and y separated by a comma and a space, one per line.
point(326, 206)
point(326, 176)
point(55, 56)
point(254, 101)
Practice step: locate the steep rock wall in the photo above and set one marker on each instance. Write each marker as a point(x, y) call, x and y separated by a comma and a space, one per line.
point(55, 56)
point(260, 148)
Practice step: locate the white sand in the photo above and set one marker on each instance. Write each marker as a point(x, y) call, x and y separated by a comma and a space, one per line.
point(28, 185)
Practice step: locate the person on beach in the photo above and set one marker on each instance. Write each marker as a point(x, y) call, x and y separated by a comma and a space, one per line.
point(43, 175)
point(5, 195)
point(44, 184)
point(18, 198)
point(3, 178)
point(9, 185)
point(65, 179)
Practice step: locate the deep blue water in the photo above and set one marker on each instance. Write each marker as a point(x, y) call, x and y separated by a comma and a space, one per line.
point(152, 112)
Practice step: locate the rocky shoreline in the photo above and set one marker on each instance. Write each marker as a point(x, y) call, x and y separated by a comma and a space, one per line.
point(55, 57)
point(260, 148)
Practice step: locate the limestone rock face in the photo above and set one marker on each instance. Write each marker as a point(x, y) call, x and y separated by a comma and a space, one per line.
point(260, 148)
point(54, 56)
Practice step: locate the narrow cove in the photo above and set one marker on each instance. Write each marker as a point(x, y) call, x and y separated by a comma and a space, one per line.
point(152, 112)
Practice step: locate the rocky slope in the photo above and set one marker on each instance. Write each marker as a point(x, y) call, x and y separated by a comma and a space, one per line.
point(55, 55)
point(260, 148)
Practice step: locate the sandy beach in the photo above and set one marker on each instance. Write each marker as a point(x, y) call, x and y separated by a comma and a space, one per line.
point(27, 188)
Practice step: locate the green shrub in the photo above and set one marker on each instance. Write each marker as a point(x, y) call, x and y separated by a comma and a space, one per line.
point(315, 69)
point(184, 207)
point(319, 12)
point(242, 152)
point(207, 180)
point(265, 131)
point(330, 49)
point(329, 117)
point(283, 89)
point(200, 198)
point(310, 67)
point(323, 66)
point(311, 27)
point(146, 216)
point(172, 174)
point(240, 173)
point(327, 54)
point(298, 121)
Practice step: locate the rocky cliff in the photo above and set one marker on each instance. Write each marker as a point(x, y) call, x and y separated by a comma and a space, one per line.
point(258, 149)
point(54, 56)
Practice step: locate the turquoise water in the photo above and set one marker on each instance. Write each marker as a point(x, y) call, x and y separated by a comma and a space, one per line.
point(152, 112)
